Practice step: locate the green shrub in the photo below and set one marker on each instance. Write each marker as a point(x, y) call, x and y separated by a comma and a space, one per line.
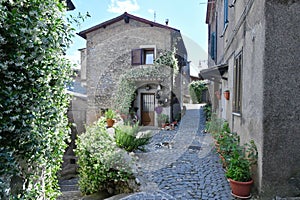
point(240, 162)
point(162, 118)
point(196, 88)
point(110, 114)
point(216, 124)
point(33, 77)
point(127, 137)
point(101, 163)
point(207, 109)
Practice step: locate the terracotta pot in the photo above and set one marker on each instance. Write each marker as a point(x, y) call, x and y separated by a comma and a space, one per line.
point(241, 190)
point(227, 95)
point(110, 122)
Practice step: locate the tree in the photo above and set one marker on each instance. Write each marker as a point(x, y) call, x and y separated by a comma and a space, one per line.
point(33, 103)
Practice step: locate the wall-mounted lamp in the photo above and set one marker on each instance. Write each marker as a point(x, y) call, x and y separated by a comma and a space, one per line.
point(147, 87)
point(158, 87)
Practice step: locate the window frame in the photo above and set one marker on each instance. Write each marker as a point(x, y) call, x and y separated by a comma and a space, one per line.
point(237, 83)
point(225, 13)
point(138, 56)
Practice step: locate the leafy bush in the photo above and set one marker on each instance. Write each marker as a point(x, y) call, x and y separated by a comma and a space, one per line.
point(196, 88)
point(33, 77)
point(163, 118)
point(207, 109)
point(216, 124)
point(110, 114)
point(127, 137)
point(240, 162)
point(101, 163)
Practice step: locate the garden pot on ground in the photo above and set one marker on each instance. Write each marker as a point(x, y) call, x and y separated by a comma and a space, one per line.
point(110, 122)
point(241, 190)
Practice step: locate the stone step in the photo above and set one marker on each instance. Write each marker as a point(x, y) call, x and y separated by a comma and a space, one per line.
point(71, 187)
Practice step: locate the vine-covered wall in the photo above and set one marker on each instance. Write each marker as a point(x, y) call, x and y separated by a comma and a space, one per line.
point(33, 103)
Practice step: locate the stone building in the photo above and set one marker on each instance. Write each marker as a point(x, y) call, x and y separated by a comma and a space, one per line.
point(126, 45)
point(254, 53)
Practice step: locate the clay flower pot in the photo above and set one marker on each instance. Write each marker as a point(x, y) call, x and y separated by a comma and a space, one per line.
point(110, 122)
point(241, 190)
point(227, 94)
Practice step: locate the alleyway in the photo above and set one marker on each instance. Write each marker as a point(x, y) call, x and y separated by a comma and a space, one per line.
point(190, 169)
point(186, 167)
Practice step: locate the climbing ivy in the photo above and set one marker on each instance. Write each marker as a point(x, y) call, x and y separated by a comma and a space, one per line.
point(196, 88)
point(33, 103)
point(126, 86)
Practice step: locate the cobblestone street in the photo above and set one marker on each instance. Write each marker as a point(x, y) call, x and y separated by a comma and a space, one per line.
point(179, 164)
point(190, 169)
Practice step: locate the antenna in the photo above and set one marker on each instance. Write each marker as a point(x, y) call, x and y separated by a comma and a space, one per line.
point(154, 16)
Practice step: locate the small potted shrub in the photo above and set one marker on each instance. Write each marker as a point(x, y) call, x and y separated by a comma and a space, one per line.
point(239, 170)
point(163, 119)
point(110, 115)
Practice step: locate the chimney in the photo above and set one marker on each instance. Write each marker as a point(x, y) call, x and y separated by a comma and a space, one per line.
point(167, 22)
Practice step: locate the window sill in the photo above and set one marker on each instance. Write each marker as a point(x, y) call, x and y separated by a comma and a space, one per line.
point(236, 114)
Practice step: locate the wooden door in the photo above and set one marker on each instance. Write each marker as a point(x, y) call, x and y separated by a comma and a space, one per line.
point(147, 109)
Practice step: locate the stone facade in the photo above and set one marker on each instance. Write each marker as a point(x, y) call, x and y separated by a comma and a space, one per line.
point(266, 34)
point(108, 55)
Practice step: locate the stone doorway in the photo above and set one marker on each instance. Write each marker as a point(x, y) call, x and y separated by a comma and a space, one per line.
point(147, 109)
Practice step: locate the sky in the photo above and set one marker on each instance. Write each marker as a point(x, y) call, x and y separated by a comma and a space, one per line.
point(186, 15)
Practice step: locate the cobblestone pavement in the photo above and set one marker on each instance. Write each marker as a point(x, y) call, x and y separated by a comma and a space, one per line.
point(178, 164)
point(186, 169)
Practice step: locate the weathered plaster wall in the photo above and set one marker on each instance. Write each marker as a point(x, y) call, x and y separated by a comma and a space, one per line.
point(245, 33)
point(281, 168)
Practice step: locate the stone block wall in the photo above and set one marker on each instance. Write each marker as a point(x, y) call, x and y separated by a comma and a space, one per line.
point(108, 56)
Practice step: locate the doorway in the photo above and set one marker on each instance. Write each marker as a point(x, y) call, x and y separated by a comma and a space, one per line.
point(147, 109)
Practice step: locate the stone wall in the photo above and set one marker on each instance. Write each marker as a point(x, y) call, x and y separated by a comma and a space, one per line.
point(281, 167)
point(109, 56)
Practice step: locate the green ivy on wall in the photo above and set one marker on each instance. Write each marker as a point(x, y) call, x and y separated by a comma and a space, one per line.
point(127, 87)
point(196, 88)
point(33, 103)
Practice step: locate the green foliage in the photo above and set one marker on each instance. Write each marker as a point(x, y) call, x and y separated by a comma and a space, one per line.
point(163, 118)
point(216, 124)
point(207, 109)
point(126, 86)
point(110, 114)
point(168, 58)
point(33, 77)
point(100, 162)
point(240, 162)
point(196, 88)
point(127, 137)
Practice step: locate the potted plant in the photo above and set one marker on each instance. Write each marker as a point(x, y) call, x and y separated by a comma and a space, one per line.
point(226, 94)
point(239, 170)
point(163, 119)
point(110, 115)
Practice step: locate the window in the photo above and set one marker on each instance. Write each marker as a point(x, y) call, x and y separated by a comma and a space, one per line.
point(142, 56)
point(213, 47)
point(237, 83)
point(225, 12)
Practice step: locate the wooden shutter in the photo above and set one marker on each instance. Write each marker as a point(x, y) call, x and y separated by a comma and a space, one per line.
point(213, 45)
point(136, 56)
